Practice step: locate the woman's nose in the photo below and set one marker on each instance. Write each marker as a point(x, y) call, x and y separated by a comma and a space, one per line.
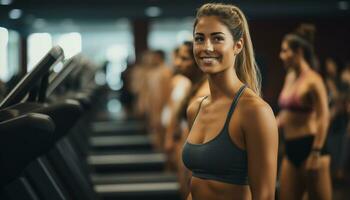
point(208, 46)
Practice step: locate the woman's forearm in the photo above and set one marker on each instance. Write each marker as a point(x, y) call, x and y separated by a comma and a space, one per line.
point(321, 134)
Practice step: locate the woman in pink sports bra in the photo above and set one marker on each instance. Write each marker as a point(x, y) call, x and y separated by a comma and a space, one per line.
point(304, 117)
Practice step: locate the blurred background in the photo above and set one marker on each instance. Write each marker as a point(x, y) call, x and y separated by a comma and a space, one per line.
point(118, 31)
point(114, 34)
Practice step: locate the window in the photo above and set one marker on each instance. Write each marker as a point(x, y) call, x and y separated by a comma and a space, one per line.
point(38, 46)
point(9, 53)
point(168, 34)
point(70, 43)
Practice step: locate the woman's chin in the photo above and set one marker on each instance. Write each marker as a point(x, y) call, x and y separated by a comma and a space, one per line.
point(207, 68)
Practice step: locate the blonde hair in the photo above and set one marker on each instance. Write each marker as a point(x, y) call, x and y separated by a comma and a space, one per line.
point(233, 18)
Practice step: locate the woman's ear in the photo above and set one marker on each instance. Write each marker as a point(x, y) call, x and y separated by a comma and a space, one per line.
point(238, 46)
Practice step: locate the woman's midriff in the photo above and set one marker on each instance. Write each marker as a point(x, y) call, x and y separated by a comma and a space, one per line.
point(213, 190)
point(299, 124)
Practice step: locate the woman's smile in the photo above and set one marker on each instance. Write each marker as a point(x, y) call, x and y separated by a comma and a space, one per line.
point(209, 60)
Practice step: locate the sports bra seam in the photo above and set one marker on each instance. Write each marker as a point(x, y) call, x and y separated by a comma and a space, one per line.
point(243, 182)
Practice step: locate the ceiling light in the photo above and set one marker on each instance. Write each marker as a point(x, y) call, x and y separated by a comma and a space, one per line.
point(39, 23)
point(153, 11)
point(5, 2)
point(343, 5)
point(15, 13)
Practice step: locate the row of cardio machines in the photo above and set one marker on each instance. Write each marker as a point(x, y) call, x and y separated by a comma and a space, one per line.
point(48, 149)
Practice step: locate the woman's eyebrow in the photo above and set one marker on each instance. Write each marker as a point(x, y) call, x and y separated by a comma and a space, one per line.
point(199, 33)
point(217, 33)
point(214, 33)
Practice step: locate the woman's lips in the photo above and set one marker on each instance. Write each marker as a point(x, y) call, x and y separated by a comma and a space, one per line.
point(209, 60)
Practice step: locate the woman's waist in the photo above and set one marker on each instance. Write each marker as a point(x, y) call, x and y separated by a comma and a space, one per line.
point(295, 132)
point(209, 189)
point(298, 117)
point(296, 125)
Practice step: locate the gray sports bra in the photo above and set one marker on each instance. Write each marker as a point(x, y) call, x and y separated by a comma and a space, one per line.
point(219, 159)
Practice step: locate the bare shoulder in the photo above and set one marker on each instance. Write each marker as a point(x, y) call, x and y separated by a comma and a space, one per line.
point(315, 76)
point(254, 110)
point(257, 120)
point(180, 79)
point(316, 81)
point(252, 103)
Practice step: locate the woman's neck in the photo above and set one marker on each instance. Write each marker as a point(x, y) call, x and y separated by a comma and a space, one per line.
point(223, 84)
point(301, 67)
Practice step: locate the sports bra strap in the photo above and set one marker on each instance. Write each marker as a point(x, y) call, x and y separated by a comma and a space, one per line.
point(232, 108)
point(234, 104)
point(199, 107)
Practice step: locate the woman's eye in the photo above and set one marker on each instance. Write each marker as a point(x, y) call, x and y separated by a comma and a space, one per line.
point(198, 39)
point(218, 39)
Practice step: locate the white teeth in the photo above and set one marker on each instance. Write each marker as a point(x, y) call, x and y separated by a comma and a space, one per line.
point(208, 60)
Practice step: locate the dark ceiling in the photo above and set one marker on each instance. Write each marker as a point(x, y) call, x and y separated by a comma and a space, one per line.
point(99, 10)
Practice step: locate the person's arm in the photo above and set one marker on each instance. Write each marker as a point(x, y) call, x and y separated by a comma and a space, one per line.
point(191, 112)
point(160, 94)
point(261, 140)
point(334, 108)
point(177, 98)
point(322, 114)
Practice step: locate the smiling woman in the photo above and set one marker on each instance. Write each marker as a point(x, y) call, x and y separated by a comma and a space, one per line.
point(232, 146)
point(209, 59)
point(237, 29)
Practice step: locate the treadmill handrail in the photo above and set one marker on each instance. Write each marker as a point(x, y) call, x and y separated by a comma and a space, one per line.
point(28, 81)
point(58, 78)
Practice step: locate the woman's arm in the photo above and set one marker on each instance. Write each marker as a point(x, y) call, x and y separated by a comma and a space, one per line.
point(191, 112)
point(334, 107)
point(320, 100)
point(159, 93)
point(175, 102)
point(322, 112)
point(261, 141)
point(323, 117)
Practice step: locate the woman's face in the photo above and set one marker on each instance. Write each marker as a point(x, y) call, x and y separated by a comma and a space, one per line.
point(184, 59)
point(287, 56)
point(214, 49)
